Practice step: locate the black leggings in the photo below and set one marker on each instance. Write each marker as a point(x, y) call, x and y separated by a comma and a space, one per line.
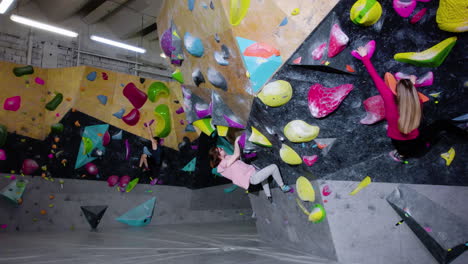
point(427, 137)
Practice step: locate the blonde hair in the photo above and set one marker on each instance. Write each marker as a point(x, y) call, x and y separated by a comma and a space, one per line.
point(409, 106)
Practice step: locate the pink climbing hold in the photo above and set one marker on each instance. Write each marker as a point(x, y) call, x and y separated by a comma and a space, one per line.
point(370, 47)
point(323, 101)
point(91, 168)
point(3, 154)
point(404, 8)
point(326, 190)
point(132, 117)
point(375, 110)
point(12, 103)
point(135, 95)
point(106, 138)
point(29, 166)
point(317, 53)
point(310, 160)
point(112, 180)
point(297, 60)
point(50, 156)
point(181, 122)
point(124, 180)
point(419, 15)
point(39, 81)
point(338, 41)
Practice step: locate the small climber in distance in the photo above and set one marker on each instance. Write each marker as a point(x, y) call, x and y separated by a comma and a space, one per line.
point(155, 153)
point(403, 113)
point(242, 174)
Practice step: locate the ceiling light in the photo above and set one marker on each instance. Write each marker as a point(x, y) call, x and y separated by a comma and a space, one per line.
point(4, 5)
point(36, 24)
point(118, 44)
point(163, 55)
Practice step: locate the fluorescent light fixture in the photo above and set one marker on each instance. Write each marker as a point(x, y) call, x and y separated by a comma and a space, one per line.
point(36, 24)
point(117, 44)
point(4, 5)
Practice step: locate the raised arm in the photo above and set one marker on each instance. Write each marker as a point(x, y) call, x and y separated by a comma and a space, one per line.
point(154, 143)
point(235, 156)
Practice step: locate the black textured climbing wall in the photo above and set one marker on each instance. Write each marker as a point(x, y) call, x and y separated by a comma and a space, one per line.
point(362, 150)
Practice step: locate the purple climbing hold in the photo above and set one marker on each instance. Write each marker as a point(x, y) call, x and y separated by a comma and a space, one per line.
point(232, 123)
point(242, 139)
point(166, 43)
point(3, 154)
point(39, 81)
point(127, 150)
point(180, 110)
point(135, 95)
point(203, 110)
point(404, 8)
point(12, 103)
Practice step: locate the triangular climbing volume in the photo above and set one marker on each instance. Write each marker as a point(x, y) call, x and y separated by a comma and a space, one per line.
point(14, 191)
point(140, 215)
point(94, 214)
point(190, 167)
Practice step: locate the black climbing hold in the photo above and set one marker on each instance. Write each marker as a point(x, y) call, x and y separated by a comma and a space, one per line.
point(198, 77)
point(226, 53)
point(176, 101)
point(94, 214)
point(211, 5)
point(216, 37)
point(142, 80)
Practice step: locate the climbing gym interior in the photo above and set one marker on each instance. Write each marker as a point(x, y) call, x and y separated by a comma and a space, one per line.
point(234, 131)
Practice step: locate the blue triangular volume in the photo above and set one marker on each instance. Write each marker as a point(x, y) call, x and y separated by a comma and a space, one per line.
point(190, 167)
point(140, 215)
point(14, 191)
point(91, 133)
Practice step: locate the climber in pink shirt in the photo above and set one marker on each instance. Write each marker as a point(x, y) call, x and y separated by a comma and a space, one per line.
point(242, 174)
point(404, 113)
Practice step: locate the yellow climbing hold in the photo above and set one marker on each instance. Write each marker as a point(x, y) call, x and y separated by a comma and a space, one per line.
point(448, 156)
point(298, 131)
point(222, 130)
point(238, 10)
point(305, 191)
point(365, 12)
point(452, 15)
point(317, 214)
point(276, 93)
point(259, 139)
point(362, 185)
point(295, 11)
point(289, 156)
point(432, 57)
point(205, 126)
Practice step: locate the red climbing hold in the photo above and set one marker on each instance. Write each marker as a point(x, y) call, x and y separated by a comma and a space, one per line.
point(338, 41)
point(375, 110)
point(134, 95)
point(132, 117)
point(323, 101)
point(29, 166)
point(262, 50)
point(105, 77)
point(297, 60)
point(326, 190)
point(415, 19)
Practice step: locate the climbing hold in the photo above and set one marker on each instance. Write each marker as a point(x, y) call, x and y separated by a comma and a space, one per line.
point(3, 154)
point(93, 214)
point(276, 93)
point(43, 212)
point(180, 110)
point(462, 118)
point(56, 128)
point(219, 58)
point(222, 130)
point(305, 191)
point(178, 76)
point(119, 113)
point(310, 160)
point(118, 135)
point(284, 21)
point(127, 150)
point(55, 102)
point(205, 126)
point(211, 5)
point(370, 48)
point(134, 95)
point(258, 138)
point(102, 99)
point(326, 190)
point(77, 123)
point(191, 4)
point(404, 8)
point(337, 42)
point(12, 103)
point(91, 76)
point(140, 215)
point(29, 166)
point(317, 214)
point(91, 168)
point(232, 123)
point(198, 77)
point(217, 79)
point(124, 180)
point(132, 117)
point(112, 180)
point(104, 76)
point(190, 128)
point(425, 80)
point(295, 11)
point(365, 12)
point(375, 110)
point(203, 110)
point(317, 53)
point(299, 131)
point(39, 81)
point(193, 45)
point(432, 57)
point(323, 101)
point(87, 145)
point(366, 181)
point(297, 60)
point(106, 138)
point(238, 10)
point(289, 156)
point(163, 121)
point(156, 90)
point(14, 191)
point(418, 16)
point(448, 156)
point(262, 50)
point(452, 16)
point(132, 185)
point(142, 80)
point(25, 70)
point(216, 37)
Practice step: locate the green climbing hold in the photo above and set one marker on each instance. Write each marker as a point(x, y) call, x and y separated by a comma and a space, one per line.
point(178, 76)
point(88, 145)
point(432, 57)
point(157, 89)
point(55, 102)
point(3, 135)
point(163, 121)
point(56, 128)
point(132, 184)
point(258, 138)
point(25, 70)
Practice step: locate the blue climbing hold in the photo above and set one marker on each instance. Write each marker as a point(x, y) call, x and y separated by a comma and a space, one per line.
point(190, 128)
point(190, 167)
point(140, 215)
point(193, 45)
point(91, 76)
point(103, 99)
point(462, 118)
point(120, 113)
point(191, 4)
point(117, 136)
point(204, 5)
point(284, 22)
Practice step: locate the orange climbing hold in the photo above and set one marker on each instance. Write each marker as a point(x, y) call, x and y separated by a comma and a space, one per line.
point(56, 139)
point(321, 146)
point(349, 68)
point(51, 197)
point(43, 212)
point(99, 134)
point(54, 146)
point(77, 123)
point(262, 50)
point(68, 99)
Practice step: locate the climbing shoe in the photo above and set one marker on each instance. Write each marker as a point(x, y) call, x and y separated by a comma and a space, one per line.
point(396, 156)
point(286, 188)
point(270, 199)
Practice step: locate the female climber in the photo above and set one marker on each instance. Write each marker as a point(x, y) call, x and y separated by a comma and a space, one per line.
point(403, 113)
point(155, 153)
point(243, 174)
